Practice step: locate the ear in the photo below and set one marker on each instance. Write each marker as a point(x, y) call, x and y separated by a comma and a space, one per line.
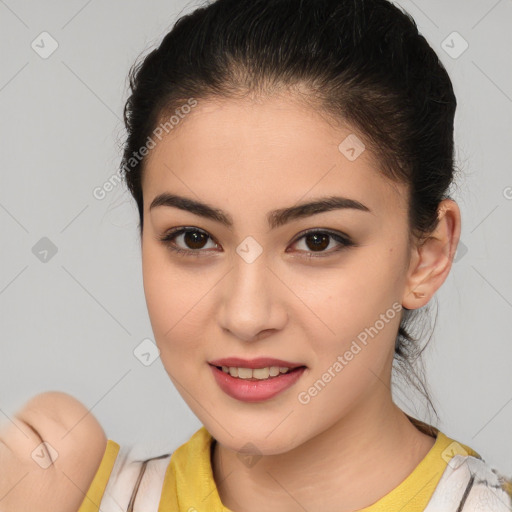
point(431, 260)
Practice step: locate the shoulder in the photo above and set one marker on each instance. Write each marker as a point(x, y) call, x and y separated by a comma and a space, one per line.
point(52, 446)
point(470, 484)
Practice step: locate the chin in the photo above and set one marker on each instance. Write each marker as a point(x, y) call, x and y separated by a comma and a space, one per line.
point(254, 440)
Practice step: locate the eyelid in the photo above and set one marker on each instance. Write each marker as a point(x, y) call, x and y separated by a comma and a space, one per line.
point(327, 231)
point(341, 238)
point(170, 235)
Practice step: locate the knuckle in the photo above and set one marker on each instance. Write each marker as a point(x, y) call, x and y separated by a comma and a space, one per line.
point(53, 443)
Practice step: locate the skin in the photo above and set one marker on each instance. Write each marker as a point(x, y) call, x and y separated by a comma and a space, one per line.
point(28, 481)
point(350, 445)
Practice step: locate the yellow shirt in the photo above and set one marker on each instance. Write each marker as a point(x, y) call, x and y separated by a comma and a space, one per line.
point(189, 483)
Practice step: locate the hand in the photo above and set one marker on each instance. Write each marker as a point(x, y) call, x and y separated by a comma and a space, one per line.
point(49, 453)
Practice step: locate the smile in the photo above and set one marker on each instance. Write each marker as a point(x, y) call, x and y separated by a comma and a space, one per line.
point(255, 384)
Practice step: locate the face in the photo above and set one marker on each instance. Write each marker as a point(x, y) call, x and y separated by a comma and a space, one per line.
point(316, 287)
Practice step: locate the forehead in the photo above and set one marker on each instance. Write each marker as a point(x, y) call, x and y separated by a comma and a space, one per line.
point(275, 152)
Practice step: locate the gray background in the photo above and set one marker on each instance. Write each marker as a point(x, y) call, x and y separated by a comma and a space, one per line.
point(72, 322)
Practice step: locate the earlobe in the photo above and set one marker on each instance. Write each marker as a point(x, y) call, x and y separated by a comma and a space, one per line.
point(431, 260)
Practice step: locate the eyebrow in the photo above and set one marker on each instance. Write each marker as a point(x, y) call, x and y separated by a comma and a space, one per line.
point(275, 218)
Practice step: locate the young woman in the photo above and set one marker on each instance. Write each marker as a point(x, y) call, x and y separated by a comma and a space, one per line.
point(291, 163)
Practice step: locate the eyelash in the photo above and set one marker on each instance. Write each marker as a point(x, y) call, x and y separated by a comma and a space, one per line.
point(168, 238)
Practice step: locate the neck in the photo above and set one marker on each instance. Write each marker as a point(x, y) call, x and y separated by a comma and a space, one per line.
point(376, 448)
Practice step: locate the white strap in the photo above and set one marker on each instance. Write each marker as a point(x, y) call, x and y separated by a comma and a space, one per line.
point(468, 484)
point(134, 485)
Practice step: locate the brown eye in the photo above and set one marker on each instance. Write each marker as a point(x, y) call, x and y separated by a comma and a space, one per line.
point(318, 241)
point(192, 241)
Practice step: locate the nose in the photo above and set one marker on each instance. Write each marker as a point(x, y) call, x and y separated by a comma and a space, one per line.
point(252, 305)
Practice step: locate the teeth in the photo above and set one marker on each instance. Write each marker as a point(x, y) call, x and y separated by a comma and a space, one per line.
point(256, 373)
point(243, 373)
point(274, 371)
point(259, 373)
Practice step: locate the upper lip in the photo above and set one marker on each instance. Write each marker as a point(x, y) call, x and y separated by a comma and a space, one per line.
point(259, 362)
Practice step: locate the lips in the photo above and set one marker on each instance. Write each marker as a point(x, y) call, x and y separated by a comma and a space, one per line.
point(256, 390)
point(259, 362)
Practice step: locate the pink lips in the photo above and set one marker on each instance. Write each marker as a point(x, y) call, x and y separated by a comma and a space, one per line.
point(255, 390)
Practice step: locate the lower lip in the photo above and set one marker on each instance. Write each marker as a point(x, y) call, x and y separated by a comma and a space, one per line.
point(255, 390)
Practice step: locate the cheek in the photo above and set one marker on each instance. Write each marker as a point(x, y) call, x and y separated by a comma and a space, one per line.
point(157, 289)
point(167, 293)
point(360, 309)
point(356, 359)
point(176, 303)
point(354, 295)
